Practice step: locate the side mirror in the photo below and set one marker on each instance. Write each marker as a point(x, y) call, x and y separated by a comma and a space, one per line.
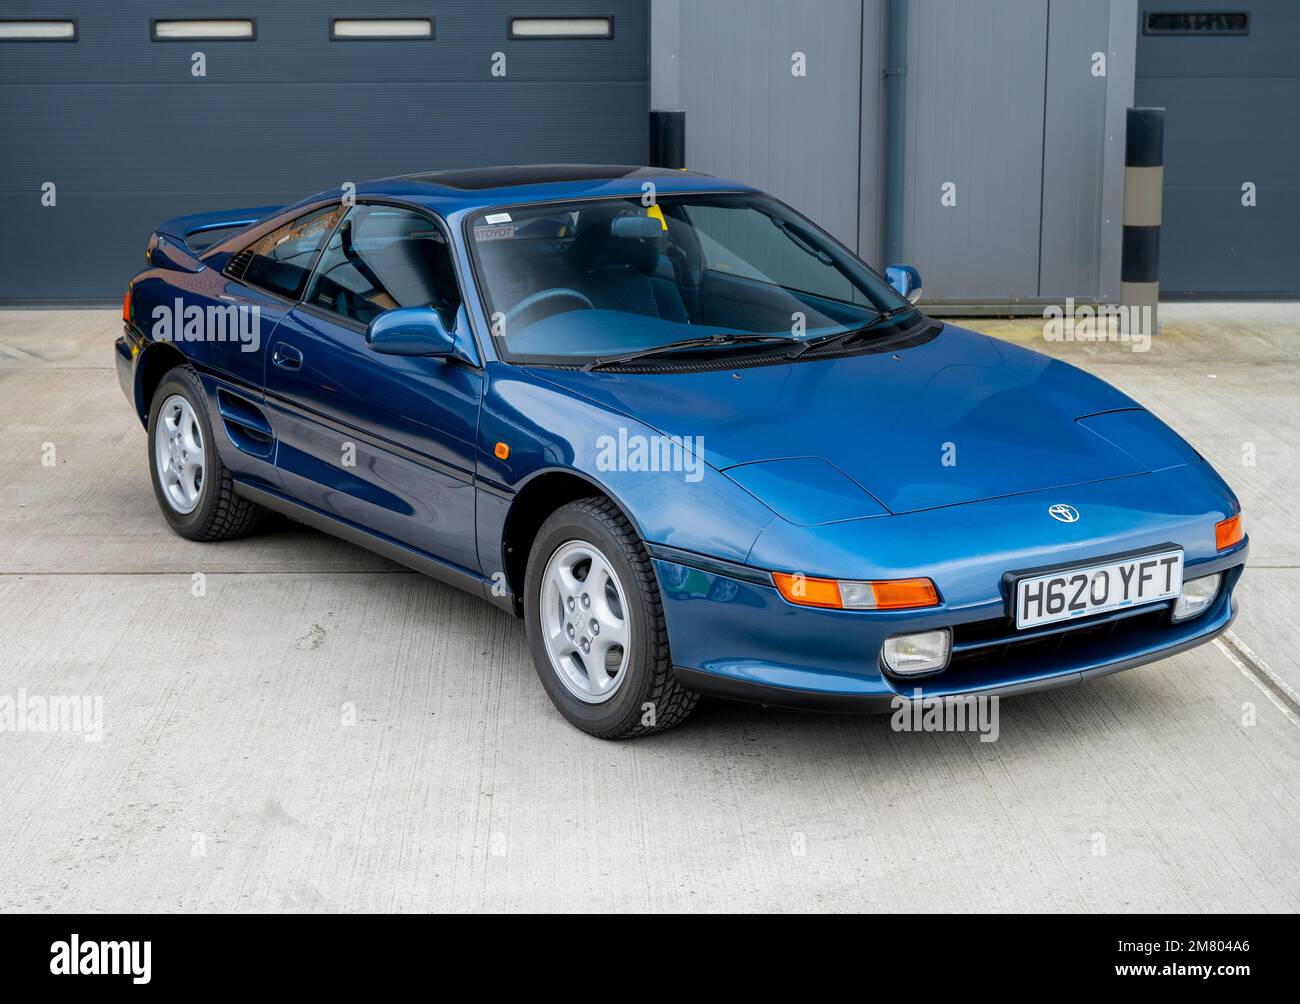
point(410, 331)
point(906, 279)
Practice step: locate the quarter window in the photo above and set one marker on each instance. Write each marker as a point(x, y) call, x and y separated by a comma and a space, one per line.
point(281, 260)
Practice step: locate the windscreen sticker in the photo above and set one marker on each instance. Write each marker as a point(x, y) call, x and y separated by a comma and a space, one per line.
point(502, 232)
point(497, 217)
point(654, 212)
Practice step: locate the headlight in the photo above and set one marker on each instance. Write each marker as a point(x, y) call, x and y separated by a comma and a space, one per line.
point(1197, 596)
point(911, 654)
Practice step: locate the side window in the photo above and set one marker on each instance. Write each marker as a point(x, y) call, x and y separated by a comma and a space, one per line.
point(380, 258)
point(281, 260)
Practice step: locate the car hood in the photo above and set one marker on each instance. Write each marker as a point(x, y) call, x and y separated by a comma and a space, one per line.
point(959, 418)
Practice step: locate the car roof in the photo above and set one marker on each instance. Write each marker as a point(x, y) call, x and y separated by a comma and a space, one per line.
point(512, 176)
point(472, 188)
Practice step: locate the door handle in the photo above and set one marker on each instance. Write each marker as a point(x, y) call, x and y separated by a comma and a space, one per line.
point(286, 356)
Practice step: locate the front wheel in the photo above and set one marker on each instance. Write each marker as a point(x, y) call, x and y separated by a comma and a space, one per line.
point(596, 626)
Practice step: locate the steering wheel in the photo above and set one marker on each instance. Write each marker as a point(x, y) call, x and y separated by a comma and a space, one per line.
point(545, 296)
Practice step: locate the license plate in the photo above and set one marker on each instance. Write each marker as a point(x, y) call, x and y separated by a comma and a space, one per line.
point(1096, 589)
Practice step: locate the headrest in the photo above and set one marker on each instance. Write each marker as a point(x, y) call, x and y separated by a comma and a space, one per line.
point(604, 240)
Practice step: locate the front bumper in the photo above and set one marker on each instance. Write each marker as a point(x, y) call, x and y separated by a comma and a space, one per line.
point(735, 637)
point(126, 355)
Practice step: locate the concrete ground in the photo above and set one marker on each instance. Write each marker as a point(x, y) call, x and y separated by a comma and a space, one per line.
point(321, 730)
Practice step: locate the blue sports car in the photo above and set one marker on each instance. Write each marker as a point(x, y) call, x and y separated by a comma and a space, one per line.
point(694, 442)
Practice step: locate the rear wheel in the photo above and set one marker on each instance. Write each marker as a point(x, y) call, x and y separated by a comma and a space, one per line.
point(194, 490)
point(596, 627)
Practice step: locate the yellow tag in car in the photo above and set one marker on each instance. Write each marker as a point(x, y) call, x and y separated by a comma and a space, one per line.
point(655, 212)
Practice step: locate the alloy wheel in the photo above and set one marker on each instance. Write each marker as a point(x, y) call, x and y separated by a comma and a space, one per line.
point(178, 454)
point(585, 621)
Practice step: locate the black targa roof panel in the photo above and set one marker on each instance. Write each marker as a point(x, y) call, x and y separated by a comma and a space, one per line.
point(474, 179)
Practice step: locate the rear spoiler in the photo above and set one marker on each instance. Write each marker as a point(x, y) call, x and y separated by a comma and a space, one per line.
point(170, 244)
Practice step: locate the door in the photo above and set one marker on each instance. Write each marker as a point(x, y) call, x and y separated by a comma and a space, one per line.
point(384, 442)
point(259, 285)
point(1229, 81)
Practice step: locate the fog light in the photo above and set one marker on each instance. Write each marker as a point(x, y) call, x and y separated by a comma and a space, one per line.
point(910, 654)
point(1198, 594)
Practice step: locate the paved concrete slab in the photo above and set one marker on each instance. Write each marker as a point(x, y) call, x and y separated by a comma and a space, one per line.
point(320, 730)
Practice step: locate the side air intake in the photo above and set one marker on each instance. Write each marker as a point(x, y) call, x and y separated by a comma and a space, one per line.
point(239, 264)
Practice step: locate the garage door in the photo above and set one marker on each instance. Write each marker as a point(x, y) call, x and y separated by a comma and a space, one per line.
point(1230, 79)
point(105, 106)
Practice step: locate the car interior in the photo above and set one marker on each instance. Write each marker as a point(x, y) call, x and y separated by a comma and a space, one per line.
point(281, 260)
point(381, 258)
point(603, 277)
point(614, 257)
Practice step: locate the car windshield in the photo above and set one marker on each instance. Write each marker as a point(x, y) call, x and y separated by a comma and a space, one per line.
point(582, 281)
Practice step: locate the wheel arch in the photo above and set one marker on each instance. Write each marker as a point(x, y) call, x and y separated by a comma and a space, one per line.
point(542, 494)
point(157, 359)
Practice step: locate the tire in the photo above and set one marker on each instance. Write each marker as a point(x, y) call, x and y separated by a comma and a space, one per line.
point(643, 695)
point(206, 508)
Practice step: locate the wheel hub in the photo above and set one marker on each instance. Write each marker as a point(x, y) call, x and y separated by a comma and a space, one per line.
point(584, 621)
point(178, 454)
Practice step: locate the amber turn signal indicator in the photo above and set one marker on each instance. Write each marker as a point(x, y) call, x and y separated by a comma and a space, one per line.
point(502, 451)
point(126, 306)
point(808, 592)
point(901, 593)
point(1228, 532)
point(838, 594)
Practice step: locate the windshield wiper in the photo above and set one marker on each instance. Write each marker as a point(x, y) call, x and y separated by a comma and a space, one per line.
point(706, 341)
point(726, 340)
point(845, 337)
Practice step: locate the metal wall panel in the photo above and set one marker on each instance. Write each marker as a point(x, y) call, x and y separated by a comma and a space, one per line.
point(1231, 106)
point(130, 137)
point(1120, 75)
point(1073, 151)
point(749, 117)
point(871, 146)
point(975, 95)
point(998, 101)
